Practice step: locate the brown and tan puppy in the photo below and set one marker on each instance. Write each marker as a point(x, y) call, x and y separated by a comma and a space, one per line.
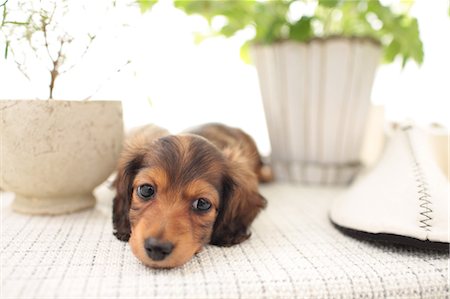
point(176, 193)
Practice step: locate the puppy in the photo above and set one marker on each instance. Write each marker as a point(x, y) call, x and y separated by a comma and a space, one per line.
point(176, 193)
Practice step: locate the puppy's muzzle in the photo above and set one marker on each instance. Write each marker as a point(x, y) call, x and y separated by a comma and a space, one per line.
point(156, 249)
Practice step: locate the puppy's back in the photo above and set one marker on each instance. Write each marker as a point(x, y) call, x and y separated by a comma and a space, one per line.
point(145, 135)
point(237, 146)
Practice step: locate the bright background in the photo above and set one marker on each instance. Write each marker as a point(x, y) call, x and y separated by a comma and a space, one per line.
point(176, 83)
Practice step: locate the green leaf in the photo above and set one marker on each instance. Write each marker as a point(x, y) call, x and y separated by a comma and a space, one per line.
point(414, 46)
point(198, 38)
point(146, 4)
point(6, 49)
point(229, 30)
point(404, 60)
point(391, 51)
point(328, 3)
point(302, 30)
point(397, 31)
point(270, 21)
point(406, 40)
point(244, 53)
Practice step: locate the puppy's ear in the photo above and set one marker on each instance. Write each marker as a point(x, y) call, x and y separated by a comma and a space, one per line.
point(131, 160)
point(129, 165)
point(240, 204)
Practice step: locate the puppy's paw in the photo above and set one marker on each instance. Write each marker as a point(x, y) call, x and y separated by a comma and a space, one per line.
point(122, 236)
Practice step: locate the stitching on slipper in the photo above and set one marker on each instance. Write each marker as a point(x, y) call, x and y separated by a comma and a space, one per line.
point(422, 186)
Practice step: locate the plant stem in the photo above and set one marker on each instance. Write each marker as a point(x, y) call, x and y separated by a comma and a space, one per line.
point(6, 50)
point(22, 69)
point(54, 74)
point(59, 57)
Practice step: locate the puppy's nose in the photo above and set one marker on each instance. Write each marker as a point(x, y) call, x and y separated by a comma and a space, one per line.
point(156, 249)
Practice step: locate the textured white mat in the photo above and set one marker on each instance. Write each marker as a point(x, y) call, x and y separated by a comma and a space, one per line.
point(294, 252)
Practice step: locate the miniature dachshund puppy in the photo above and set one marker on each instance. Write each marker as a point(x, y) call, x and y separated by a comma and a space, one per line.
point(177, 193)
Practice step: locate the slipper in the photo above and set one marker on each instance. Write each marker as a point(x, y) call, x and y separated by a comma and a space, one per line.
point(404, 199)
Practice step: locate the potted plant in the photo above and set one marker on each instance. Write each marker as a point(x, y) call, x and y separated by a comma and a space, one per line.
point(316, 62)
point(54, 153)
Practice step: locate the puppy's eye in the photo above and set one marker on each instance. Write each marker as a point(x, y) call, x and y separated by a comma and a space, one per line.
point(146, 191)
point(201, 205)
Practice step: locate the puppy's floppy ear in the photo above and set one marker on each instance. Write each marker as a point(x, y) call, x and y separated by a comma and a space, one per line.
point(129, 165)
point(132, 157)
point(240, 204)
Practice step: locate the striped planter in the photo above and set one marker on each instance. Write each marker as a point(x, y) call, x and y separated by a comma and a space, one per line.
point(316, 98)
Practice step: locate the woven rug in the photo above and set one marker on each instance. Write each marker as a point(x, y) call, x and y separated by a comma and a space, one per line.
point(294, 252)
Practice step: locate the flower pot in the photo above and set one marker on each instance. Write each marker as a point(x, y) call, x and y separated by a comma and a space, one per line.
point(316, 97)
point(54, 153)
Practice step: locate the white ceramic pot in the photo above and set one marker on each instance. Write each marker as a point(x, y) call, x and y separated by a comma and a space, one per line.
point(316, 98)
point(54, 153)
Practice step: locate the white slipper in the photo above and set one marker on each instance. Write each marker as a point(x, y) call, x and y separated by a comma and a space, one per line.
point(404, 199)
